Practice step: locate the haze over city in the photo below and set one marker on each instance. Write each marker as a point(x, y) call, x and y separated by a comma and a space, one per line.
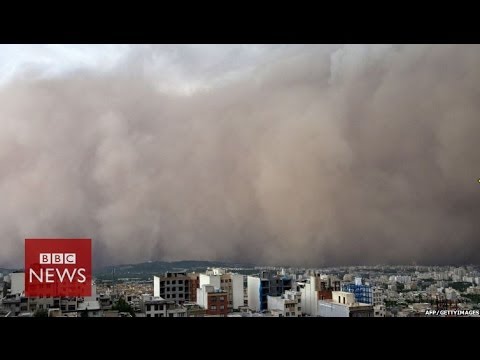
point(303, 155)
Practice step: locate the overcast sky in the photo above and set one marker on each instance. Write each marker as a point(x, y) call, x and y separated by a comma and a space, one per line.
point(275, 154)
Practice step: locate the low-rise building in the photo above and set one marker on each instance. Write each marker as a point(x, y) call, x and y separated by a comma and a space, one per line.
point(287, 305)
point(343, 304)
point(213, 300)
point(158, 307)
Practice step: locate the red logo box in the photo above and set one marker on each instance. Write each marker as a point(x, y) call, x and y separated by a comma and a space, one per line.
point(58, 267)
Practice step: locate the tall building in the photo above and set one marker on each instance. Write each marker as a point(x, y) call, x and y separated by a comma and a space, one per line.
point(267, 284)
point(316, 287)
point(194, 283)
point(363, 293)
point(172, 286)
point(229, 282)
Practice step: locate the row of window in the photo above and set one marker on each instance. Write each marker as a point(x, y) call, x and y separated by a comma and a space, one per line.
point(214, 307)
point(214, 298)
point(172, 282)
point(172, 296)
point(163, 315)
point(174, 288)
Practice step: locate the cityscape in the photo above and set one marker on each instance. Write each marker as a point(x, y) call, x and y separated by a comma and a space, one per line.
point(354, 291)
point(239, 180)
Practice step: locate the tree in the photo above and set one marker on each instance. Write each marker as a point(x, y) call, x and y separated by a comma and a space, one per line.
point(41, 313)
point(123, 306)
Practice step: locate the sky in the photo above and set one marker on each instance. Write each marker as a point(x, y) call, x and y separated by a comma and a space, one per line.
point(302, 155)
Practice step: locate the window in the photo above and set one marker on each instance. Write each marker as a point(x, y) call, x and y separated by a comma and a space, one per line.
point(174, 282)
point(168, 282)
point(168, 296)
point(221, 298)
point(156, 307)
point(339, 300)
point(180, 282)
point(213, 307)
point(287, 314)
point(162, 315)
point(148, 315)
point(156, 315)
point(180, 295)
point(149, 307)
point(222, 307)
point(170, 315)
point(180, 288)
point(174, 288)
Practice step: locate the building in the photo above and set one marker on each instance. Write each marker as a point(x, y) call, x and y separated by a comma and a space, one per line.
point(233, 285)
point(363, 293)
point(245, 290)
point(229, 282)
point(17, 282)
point(268, 284)
point(377, 295)
point(158, 307)
point(379, 311)
point(213, 300)
point(317, 287)
point(194, 310)
point(287, 305)
point(343, 304)
point(90, 309)
point(194, 284)
point(172, 286)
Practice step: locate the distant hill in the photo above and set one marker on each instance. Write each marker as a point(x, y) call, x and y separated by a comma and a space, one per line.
point(148, 269)
point(6, 271)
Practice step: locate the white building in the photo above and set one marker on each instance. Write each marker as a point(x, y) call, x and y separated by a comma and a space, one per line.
point(343, 304)
point(451, 294)
point(377, 296)
point(316, 288)
point(158, 307)
point(213, 280)
point(202, 294)
point(90, 309)
point(287, 305)
point(253, 284)
point(17, 283)
point(229, 282)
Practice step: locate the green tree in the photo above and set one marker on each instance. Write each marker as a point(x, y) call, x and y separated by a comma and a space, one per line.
point(123, 306)
point(41, 313)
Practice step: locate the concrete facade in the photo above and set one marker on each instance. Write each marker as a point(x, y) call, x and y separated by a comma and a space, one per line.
point(172, 286)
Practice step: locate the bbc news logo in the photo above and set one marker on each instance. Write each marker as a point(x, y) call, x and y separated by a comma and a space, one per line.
point(58, 267)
